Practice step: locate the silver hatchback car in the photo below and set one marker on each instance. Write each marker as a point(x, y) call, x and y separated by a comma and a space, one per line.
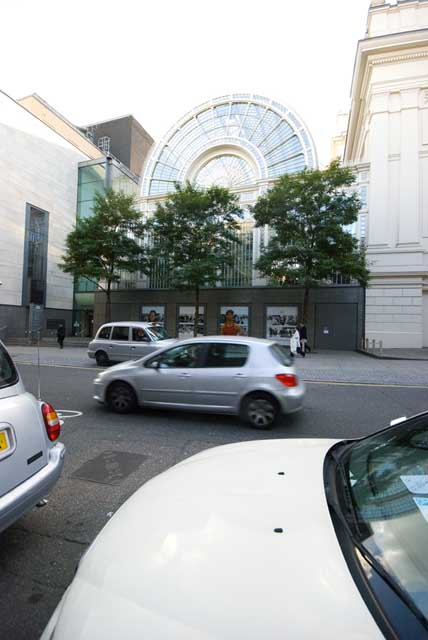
point(31, 458)
point(249, 377)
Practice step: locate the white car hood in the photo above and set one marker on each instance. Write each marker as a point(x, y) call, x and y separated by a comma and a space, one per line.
point(193, 555)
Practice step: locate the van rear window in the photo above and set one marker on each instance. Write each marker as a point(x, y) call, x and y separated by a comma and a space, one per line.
point(8, 373)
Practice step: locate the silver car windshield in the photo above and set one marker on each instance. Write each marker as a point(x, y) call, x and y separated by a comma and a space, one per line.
point(8, 373)
point(388, 481)
point(157, 332)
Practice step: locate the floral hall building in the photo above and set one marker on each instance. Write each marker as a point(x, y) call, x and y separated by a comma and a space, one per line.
point(243, 142)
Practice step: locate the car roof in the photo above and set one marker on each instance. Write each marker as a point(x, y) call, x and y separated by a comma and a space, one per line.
point(243, 339)
point(129, 323)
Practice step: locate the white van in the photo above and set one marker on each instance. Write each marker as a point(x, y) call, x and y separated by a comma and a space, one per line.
point(122, 341)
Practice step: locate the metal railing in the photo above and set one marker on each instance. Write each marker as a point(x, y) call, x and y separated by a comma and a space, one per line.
point(372, 346)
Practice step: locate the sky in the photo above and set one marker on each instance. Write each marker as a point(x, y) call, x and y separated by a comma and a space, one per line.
point(94, 60)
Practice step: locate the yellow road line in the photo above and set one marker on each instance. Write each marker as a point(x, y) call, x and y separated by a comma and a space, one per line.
point(367, 384)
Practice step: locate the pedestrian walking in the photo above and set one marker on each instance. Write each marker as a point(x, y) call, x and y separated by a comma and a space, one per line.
point(303, 337)
point(294, 342)
point(60, 335)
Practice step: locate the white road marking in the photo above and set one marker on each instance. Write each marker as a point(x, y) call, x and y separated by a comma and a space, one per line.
point(68, 413)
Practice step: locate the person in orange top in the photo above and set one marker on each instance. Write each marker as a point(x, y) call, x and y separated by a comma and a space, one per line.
point(230, 327)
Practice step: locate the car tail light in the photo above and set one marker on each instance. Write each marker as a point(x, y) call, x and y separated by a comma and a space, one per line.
point(52, 423)
point(287, 379)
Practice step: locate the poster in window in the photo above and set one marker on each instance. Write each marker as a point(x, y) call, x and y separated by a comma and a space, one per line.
point(153, 314)
point(186, 321)
point(233, 321)
point(281, 323)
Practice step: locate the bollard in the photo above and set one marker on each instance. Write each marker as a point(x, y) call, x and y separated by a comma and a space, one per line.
point(380, 347)
point(367, 344)
point(373, 344)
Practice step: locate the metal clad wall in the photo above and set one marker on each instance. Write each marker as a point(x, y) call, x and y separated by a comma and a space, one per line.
point(336, 326)
point(127, 303)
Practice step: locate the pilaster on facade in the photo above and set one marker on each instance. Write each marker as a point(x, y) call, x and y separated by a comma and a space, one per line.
point(388, 129)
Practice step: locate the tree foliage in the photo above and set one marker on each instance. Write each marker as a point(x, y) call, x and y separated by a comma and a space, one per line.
point(192, 233)
point(105, 244)
point(308, 213)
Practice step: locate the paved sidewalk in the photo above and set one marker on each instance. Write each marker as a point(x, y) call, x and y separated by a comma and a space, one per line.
point(333, 366)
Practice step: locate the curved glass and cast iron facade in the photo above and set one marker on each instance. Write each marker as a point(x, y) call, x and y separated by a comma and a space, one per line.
point(240, 141)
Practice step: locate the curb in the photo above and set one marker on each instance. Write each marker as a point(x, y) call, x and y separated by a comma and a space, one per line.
point(379, 357)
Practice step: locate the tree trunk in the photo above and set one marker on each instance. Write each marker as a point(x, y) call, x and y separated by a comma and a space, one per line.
point(195, 327)
point(305, 306)
point(108, 302)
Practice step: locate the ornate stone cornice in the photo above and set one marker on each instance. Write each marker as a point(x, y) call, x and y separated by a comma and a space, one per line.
point(399, 58)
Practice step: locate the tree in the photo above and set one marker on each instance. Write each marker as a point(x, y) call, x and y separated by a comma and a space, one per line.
point(105, 244)
point(192, 233)
point(308, 213)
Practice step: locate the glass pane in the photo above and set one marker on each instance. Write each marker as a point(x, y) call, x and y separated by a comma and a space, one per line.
point(8, 374)
point(93, 173)
point(181, 357)
point(227, 355)
point(104, 333)
point(120, 333)
point(139, 335)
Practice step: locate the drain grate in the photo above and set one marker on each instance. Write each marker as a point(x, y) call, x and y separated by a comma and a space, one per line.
point(109, 467)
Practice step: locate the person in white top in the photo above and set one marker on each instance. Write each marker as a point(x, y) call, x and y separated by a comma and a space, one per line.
point(294, 342)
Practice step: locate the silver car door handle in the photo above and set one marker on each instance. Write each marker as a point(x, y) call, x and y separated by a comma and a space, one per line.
point(185, 375)
point(133, 347)
point(240, 375)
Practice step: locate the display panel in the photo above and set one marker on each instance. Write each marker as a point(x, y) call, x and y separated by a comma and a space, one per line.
point(153, 314)
point(281, 322)
point(233, 321)
point(186, 321)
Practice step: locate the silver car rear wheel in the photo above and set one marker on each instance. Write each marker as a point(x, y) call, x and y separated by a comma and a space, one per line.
point(260, 410)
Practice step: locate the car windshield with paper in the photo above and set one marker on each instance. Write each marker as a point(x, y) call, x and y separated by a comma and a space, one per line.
point(387, 479)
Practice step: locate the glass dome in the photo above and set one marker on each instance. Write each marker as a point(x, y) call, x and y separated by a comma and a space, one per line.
point(232, 141)
point(225, 171)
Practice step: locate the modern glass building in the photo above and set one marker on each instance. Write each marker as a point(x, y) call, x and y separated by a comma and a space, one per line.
point(240, 141)
point(96, 176)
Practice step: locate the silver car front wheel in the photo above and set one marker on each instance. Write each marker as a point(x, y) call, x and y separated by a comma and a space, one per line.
point(121, 398)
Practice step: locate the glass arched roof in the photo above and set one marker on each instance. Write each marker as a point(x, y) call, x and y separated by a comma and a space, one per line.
point(225, 171)
point(246, 137)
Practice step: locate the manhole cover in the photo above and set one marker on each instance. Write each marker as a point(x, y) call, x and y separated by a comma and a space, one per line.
point(109, 467)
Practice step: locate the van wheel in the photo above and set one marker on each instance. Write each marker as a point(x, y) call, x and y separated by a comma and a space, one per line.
point(121, 398)
point(102, 359)
point(260, 410)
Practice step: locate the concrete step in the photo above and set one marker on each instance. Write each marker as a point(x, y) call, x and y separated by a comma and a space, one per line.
point(47, 342)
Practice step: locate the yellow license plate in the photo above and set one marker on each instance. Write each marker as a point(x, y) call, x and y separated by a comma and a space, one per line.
point(3, 441)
